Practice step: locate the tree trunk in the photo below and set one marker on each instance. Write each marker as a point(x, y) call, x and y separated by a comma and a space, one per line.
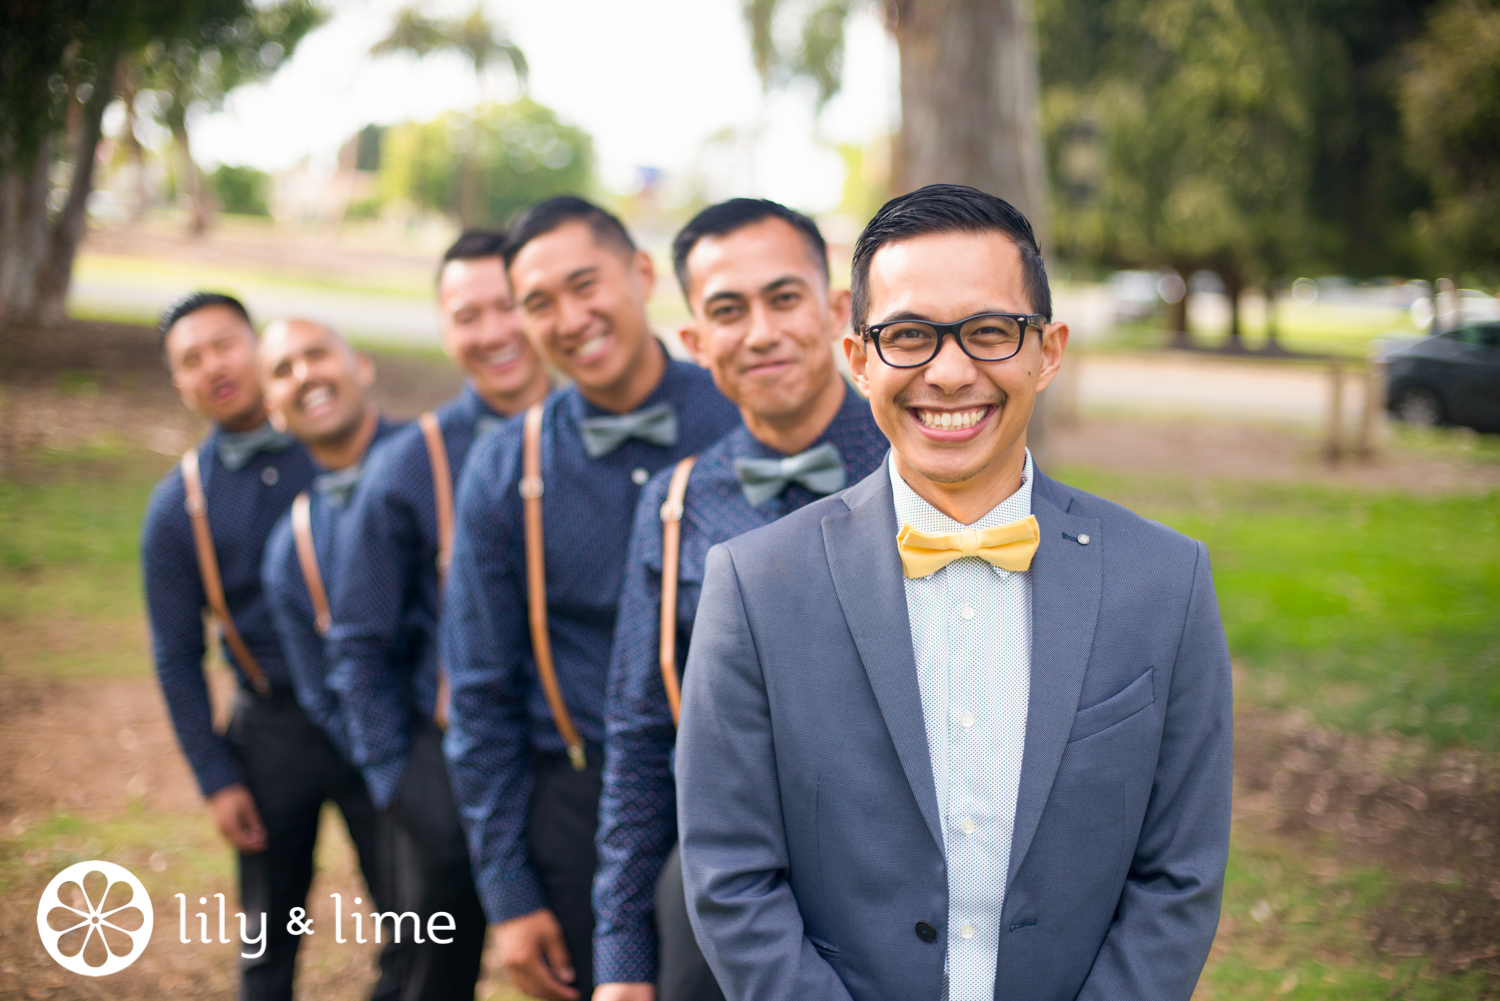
point(193, 187)
point(969, 100)
point(1177, 312)
point(127, 82)
point(23, 229)
point(56, 273)
point(1234, 287)
point(970, 113)
point(1273, 332)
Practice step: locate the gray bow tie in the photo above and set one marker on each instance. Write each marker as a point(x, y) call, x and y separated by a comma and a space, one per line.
point(602, 435)
point(820, 470)
point(485, 423)
point(238, 448)
point(339, 484)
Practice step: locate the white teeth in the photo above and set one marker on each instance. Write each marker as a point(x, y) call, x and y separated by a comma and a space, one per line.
point(316, 398)
point(948, 420)
point(502, 356)
point(588, 347)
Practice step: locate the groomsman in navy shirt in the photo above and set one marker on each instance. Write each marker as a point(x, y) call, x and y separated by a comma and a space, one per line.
point(315, 387)
point(249, 473)
point(755, 275)
point(525, 754)
point(385, 604)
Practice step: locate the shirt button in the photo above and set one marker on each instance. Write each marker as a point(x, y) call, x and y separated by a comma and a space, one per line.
point(269, 476)
point(967, 719)
point(967, 826)
point(967, 613)
point(967, 931)
point(639, 476)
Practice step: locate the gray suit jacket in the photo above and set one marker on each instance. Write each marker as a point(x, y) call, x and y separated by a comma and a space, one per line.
point(810, 831)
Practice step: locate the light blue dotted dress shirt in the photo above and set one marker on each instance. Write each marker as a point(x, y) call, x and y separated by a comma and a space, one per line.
point(971, 636)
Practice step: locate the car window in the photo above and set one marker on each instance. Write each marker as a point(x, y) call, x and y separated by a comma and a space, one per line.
point(1480, 335)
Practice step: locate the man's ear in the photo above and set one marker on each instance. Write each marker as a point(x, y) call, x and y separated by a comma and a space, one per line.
point(645, 273)
point(364, 370)
point(838, 311)
point(185, 393)
point(859, 363)
point(692, 342)
point(1054, 343)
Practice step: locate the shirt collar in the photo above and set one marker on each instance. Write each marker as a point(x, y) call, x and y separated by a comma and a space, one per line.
point(577, 408)
point(912, 510)
point(237, 448)
point(849, 424)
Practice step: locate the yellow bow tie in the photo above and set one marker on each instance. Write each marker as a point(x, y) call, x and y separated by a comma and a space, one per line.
point(1009, 547)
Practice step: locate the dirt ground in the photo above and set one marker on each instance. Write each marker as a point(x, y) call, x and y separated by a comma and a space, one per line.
point(1425, 817)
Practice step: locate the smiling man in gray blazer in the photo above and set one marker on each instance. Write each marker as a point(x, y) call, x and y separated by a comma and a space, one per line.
point(959, 731)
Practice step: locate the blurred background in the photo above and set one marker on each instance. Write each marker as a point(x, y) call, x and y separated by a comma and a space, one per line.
point(1273, 227)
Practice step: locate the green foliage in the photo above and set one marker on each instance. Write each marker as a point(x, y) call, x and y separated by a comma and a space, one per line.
point(1450, 104)
point(1187, 146)
point(482, 168)
point(802, 39)
point(1371, 611)
point(473, 36)
point(242, 190)
point(202, 61)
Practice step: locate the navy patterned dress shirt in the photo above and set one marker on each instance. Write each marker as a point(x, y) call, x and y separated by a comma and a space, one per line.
point(499, 714)
point(382, 649)
point(291, 607)
point(244, 504)
point(638, 810)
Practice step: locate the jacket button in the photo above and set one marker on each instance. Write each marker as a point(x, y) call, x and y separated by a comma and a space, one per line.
point(926, 932)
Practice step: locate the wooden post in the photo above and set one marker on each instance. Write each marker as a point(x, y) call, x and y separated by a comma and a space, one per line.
point(1374, 407)
point(1333, 449)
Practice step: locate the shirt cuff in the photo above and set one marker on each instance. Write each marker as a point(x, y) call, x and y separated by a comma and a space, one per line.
point(516, 895)
point(625, 956)
point(383, 779)
point(216, 774)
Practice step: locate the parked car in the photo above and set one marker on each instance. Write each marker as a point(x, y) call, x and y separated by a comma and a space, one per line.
point(1450, 378)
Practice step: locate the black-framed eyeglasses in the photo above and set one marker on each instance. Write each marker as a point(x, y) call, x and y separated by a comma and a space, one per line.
point(983, 337)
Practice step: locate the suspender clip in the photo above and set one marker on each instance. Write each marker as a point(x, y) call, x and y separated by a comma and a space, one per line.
point(575, 755)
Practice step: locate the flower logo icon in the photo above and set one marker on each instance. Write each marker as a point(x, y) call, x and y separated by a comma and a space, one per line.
point(94, 918)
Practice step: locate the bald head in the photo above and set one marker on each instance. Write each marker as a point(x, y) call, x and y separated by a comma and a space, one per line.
point(316, 384)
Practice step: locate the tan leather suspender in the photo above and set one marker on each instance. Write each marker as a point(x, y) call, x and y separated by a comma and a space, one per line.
point(671, 566)
point(208, 570)
point(536, 583)
point(442, 492)
point(307, 556)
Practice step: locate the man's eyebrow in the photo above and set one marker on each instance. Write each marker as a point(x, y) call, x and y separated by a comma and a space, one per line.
point(781, 283)
point(724, 294)
point(581, 272)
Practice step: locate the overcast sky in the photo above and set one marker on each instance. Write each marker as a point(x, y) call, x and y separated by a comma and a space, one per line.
point(651, 80)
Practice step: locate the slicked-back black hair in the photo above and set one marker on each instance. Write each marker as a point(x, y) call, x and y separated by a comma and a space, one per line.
point(947, 208)
point(735, 214)
point(191, 303)
point(544, 217)
point(476, 243)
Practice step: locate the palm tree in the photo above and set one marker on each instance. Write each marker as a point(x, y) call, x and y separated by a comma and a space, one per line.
point(472, 36)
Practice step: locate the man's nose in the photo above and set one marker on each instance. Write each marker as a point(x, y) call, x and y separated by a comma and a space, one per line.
point(572, 315)
point(762, 332)
point(951, 370)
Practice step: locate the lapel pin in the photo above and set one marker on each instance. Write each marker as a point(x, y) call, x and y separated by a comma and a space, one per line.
point(1083, 540)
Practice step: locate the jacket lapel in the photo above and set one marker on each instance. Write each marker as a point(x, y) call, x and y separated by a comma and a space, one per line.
point(861, 547)
point(1066, 588)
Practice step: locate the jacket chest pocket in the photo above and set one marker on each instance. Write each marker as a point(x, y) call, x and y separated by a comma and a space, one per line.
point(1135, 697)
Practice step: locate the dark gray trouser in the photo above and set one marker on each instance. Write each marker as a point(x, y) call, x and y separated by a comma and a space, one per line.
point(433, 873)
point(560, 840)
point(682, 974)
point(292, 769)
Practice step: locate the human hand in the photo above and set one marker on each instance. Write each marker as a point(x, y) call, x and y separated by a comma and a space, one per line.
point(535, 958)
point(625, 992)
point(233, 811)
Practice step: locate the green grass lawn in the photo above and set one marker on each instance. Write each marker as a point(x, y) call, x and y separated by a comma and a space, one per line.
point(1373, 611)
